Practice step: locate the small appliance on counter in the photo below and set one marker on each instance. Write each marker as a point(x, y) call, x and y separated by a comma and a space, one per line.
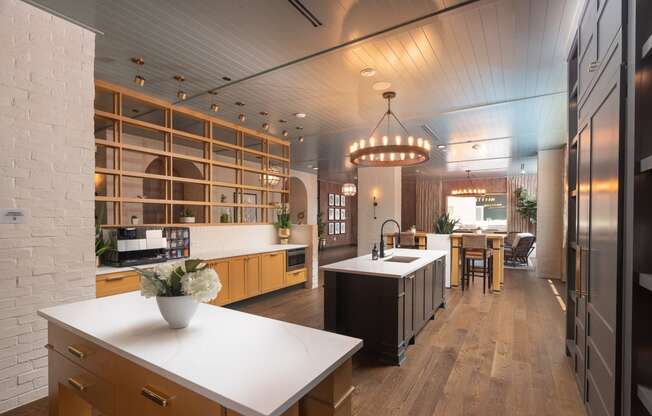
point(133, 246)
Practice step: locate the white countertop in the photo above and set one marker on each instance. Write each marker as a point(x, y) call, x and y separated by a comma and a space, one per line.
point(207, 255)
point(365, 265)
point(250, 364)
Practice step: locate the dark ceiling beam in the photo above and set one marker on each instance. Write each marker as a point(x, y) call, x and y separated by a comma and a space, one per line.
point(336, 48)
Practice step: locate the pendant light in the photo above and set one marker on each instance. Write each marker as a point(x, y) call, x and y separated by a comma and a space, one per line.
point(469, 190)
point(349, 189)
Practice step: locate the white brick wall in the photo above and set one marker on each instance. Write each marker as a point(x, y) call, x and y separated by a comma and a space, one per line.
point(46, 166)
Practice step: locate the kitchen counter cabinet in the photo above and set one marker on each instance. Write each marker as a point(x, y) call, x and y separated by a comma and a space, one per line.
point(386, 310)
point(130, 363)
point(273, 271)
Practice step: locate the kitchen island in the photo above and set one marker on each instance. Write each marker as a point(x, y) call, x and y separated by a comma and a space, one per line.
point(116, 355)
point(386, 302)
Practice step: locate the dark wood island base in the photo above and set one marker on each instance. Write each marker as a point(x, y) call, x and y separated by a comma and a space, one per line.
point(386, 312)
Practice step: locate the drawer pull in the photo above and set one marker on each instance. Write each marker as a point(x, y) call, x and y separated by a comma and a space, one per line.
point(157, 398)
point(114, 278)
point(594, 66)
point(76, 352)
point(78, 385)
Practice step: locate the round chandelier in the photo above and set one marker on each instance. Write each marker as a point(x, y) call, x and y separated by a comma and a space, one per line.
point(470, 190)
point(390, 151)
point(349, 189)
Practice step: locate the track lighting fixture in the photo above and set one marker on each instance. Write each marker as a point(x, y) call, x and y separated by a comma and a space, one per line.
point(181, 94)
point(285, 133)
point(265, 126)
point(242, 117)
point(138, 79)
point(301, 139)
point(215, 108)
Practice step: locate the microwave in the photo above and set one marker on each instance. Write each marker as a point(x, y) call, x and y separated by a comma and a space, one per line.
point(295, 259)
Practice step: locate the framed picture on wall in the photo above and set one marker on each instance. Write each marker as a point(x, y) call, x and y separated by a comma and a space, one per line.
point(342, 213)
point(343, 228)
point(343, 201)
point(337, 214)
point(331, 228)
point(337, 228)
point(337, 200)
point(331, 199)
point(331, 214)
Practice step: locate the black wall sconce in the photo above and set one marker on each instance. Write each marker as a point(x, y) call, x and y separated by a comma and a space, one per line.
point(375, 205)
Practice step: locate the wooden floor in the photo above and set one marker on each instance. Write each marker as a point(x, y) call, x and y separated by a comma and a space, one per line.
point(482, 355)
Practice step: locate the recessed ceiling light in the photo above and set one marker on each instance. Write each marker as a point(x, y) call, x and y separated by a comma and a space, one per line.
point(239, 103)
point(441, 146)
point(282, 121)
point(381, 85)
point(300, 115)
point(264, 113)
point(368, 72)
point(226, 78)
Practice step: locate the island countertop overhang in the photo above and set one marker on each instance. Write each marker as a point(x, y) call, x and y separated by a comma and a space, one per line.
point(254, 365)
point(364, 265)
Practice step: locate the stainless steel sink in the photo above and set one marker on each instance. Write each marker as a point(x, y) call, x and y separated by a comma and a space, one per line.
point(401, 259)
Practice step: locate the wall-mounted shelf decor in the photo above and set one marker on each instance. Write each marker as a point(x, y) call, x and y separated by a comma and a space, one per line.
point(159, 162)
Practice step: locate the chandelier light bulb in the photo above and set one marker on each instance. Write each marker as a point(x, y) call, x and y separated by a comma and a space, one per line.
point(426, 145)
point(411, 155)
point(391, 156)
point(362, 144)
point(372, 141)
point(410, 140)
point(382, 157)
point(398, 140)
point(371, 156)
point(402, 156)
point(385, 140)
point(420, 142)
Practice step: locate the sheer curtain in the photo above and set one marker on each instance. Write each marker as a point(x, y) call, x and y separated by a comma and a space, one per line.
point(515, 221)
point(428, 201)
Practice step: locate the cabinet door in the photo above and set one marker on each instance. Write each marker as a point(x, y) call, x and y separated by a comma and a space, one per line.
point(252, 273)
point(429, 290)
point(272, 271)
point(237, 285)
point(419, 299)
point(587, 50)
point(408, 308)
point(601, 287)
point(222, 269)
point(438, 286)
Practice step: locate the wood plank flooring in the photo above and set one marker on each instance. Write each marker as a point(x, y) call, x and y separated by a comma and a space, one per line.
point(464, 362)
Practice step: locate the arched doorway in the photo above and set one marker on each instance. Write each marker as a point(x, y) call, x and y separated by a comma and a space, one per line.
point(298, 201)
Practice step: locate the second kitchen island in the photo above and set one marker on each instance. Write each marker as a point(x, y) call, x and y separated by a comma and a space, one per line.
point(386, 302)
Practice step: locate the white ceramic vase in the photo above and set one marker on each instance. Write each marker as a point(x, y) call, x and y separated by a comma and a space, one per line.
point(177, 310)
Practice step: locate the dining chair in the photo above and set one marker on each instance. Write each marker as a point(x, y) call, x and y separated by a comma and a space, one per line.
point(474, 251)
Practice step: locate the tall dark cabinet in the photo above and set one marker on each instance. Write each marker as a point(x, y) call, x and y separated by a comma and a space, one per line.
point(594, 275)
point(641, 336)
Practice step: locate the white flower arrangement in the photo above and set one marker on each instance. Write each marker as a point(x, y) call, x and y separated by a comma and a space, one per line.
point(185, 278)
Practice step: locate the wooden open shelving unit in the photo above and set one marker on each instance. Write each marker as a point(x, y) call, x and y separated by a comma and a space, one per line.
point(154, 159)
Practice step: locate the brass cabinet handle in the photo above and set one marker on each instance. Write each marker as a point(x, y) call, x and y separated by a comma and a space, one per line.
point(77, 384)
point(76, 352)
point(157, 398)
point(593, 66)
point(114, 278)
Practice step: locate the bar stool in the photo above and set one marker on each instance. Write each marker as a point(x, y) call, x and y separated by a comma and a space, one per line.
point(474, 249)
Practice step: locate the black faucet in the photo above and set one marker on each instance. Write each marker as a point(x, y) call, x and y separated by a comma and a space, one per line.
point(382, 239)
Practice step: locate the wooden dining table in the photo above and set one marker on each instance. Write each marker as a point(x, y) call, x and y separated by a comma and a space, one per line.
point(497, 244)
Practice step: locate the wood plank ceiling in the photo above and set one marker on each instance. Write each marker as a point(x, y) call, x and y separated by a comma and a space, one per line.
point(491, 72)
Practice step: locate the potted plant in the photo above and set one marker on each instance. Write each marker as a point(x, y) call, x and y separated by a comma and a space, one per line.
point(526, 205)
point(134, 220)
point(413, 230)
point(282, 223)
point(187, 216)
point(321, 231)
point(224, 217)
point(178, 288)
point(100, 244)
point(444, 224)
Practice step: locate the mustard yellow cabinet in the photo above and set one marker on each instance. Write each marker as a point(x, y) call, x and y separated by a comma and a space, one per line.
point(222, 269)
point(272, 271)
point(237, 282)
point(252, 275)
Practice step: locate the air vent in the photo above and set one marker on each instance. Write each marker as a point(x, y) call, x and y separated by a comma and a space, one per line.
point(305, 12)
